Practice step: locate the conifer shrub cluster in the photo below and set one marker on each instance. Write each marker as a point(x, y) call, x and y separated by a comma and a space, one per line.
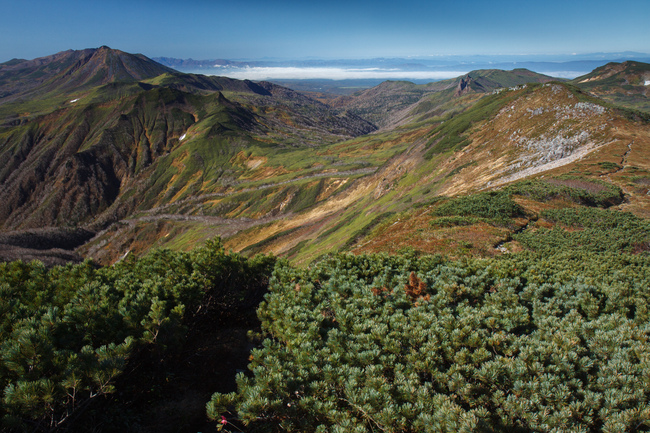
point(526, 342)
point(587, 192)
point(68, 333)
point(588, 230)
point(494, 207)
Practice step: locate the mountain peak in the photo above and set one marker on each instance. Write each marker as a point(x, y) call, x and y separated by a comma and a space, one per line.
point(74, 70)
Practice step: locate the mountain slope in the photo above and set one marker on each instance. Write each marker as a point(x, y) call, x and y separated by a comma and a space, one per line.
point(72, 71)
point(397, 102)
point(177, 158)
point(534, 131)
point(626, 84)
point(125, 146)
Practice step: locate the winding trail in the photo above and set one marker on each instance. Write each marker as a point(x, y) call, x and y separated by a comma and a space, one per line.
point(499, 245)
point(624, 158)
point(623, 164)
point(224, 227)
point(202, 197)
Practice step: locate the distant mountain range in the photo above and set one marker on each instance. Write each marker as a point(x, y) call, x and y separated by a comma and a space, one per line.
point(117, 152)
point(420, 69)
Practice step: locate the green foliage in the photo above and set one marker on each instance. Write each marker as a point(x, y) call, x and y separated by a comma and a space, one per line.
point(523, 343)
point(592, 230)
point(366, 229)
point(67, 333)
point(495, 207)
point(458, 169)
point(306, 196)
point(588, 192)
point(609, 165)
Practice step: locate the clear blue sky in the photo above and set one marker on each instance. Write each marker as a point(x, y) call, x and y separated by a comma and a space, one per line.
point(236, 29)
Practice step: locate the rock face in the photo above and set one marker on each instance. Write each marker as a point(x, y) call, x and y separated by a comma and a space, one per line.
point(463, 86)
point(558, 127)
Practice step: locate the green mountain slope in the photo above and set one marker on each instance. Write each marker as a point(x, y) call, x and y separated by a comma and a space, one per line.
point(37, 85)
point(513, 296)
point(533, 131)
point(626, 84)
point(174, 159)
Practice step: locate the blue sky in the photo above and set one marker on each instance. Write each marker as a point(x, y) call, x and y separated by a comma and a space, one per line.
point(209, 29)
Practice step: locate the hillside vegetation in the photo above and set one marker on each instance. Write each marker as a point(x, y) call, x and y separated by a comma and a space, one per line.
point(624, 84)
point(551, 338)
point(150, 157)
point(532, 342)
point(109, 349)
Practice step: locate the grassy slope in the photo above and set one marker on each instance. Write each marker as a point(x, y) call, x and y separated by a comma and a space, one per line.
point(129, 135)
point(620, 83)
point(395, 197)
point(398, 102)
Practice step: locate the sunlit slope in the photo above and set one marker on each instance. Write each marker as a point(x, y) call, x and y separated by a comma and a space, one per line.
point(29, 87)
point(174, 159)
point(626, 84)
point(534, 131)
point(173, 143)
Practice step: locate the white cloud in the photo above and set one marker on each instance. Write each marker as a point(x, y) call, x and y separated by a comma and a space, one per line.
point(565, 74)
point(294, 73)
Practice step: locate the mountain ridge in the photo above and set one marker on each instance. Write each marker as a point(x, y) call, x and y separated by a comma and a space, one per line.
point(397, 102)
point(77, 162)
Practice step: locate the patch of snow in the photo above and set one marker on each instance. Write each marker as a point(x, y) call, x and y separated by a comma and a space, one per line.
point(74, 100)
point(182, 137)
point(647, 83)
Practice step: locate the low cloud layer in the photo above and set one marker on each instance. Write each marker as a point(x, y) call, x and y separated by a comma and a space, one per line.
point(566, 74)
point(329, 73)
point(294, 73)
